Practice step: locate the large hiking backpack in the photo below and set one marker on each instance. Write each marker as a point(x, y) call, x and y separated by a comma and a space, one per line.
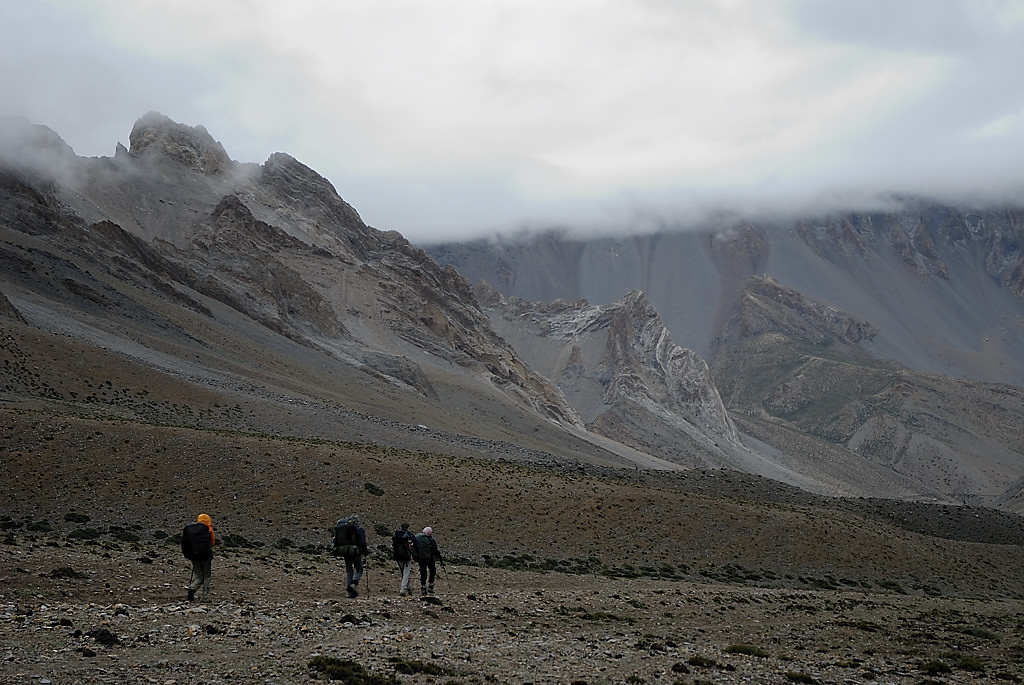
point(400, 546)
point(346, 539)
point(195, 542)
point(424, 548)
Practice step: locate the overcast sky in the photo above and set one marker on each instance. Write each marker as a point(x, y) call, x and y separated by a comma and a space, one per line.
point(443, 118)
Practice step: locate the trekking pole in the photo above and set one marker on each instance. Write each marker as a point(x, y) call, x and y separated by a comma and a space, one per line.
point(444, 570)
point(366, 565)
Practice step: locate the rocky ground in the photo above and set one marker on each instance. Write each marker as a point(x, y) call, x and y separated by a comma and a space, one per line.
point(693, 577)
point(77, 612)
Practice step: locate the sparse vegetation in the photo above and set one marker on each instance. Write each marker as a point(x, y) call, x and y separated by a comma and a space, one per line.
point(66, 572)
point(414, 666)
point(85, 534)
point(749, 650)
point(347, 671)
point(866, 626)
point(935, 667)
point(123, 534)
point(983, 633)
point(965, 662)
point(233, 540)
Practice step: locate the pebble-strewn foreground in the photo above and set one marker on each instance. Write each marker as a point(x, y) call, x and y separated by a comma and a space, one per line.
point(85, 615)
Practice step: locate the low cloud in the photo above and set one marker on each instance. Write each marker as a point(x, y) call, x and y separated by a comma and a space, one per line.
point(458, 118)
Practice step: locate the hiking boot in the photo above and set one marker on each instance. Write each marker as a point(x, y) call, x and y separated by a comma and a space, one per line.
point(351, 590)
point(403, 593)
point(423, 589)
point(191, 594)
point(430, 589)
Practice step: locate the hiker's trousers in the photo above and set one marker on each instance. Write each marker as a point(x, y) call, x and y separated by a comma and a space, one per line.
point(353, 570)
point(201, 571)
point(427, 572)
point(404, 567)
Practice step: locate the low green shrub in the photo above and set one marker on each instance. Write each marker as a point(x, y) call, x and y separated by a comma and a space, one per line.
point(749, 650)
point(347, 671)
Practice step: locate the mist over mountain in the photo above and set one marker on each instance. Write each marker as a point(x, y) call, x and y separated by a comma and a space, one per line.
point(847, 342)
point(856, 355)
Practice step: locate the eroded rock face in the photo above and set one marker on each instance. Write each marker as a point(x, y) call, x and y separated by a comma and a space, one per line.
point(926, 237)
point(765, 305)
point(796, 364)
point(618, 365)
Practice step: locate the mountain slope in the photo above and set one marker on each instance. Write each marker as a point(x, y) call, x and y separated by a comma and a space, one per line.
point(825, 337)
point(259, 289)
point(165, 254)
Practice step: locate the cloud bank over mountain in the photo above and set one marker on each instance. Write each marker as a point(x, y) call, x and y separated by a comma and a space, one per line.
point(454, 118)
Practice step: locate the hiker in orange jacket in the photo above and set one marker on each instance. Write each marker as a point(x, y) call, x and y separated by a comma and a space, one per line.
point(197, 545)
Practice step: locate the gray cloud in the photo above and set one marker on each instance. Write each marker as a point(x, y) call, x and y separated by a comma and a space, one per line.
point(438, 119)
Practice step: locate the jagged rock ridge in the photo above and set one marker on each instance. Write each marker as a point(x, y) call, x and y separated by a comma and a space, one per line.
point(618, 365)
point(175, 216)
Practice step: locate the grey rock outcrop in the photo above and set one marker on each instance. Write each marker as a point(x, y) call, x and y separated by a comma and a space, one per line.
point(189, 146)
point(276, 243)
point(619, 368)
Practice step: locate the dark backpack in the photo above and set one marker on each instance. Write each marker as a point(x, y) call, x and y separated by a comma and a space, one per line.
point(400, 546)
point(345, 533)
point(424, 548)
point(195, 542)
point(346, 539)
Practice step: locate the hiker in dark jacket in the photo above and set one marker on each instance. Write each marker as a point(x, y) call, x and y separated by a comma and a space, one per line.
point(350, 543)
point(401, 544)
point(426, 554)
point(197, 541)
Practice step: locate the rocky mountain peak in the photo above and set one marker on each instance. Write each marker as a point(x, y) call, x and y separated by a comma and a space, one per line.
point(190, 146)
point(34, 148)
point(619, 368)
point(765, 305)
point(17, 135)
point(307, 193)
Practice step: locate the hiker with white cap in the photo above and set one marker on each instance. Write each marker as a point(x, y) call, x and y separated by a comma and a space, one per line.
point(426, 554)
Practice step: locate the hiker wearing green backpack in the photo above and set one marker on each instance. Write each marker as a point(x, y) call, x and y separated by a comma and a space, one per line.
point(426, 553)
point(350, 543)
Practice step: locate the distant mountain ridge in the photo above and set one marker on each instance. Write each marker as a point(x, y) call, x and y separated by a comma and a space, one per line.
point(942, 286)
point(259, 286)
point(846, 344)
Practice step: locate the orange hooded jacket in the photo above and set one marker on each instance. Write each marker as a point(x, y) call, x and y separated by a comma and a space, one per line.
point(205, 518)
